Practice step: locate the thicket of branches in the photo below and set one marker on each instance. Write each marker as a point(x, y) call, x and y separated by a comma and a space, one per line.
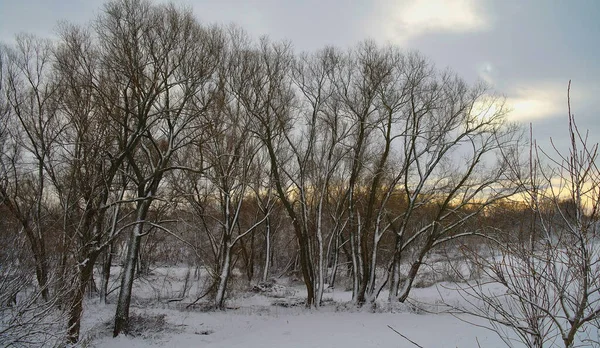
point(549, 282)
point(222, 151)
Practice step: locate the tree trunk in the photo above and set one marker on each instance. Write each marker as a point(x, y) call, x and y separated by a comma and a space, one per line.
point(41, 269)
point(85, 269)
point(106, 265)
point(355, 266)
point(92, 287)
point(250, 265)
point(395, 272)
point(336, 257)
point(38, 250)
point(370, 288)
point(247, 252)
point(133, 247)
point(267, 250)
point(321, 265)
point(108, 256)
point(412, 273)
point(223, 277)
point(307, 272)
point(360, 264)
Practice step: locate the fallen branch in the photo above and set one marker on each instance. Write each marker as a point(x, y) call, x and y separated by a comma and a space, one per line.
point(406, 338)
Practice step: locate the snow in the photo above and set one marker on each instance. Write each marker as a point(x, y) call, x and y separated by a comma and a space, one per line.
point(269, 315)
point(312, 329)
point(256, 323)
point(265, 316)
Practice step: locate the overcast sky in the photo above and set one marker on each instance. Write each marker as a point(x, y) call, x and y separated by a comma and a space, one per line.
point(527, 50)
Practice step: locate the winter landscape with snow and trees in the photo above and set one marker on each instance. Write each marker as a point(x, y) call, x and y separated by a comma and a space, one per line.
point(166, 181)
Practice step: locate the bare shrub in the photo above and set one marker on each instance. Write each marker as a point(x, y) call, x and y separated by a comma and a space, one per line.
point(25, 318)
point(544, 290)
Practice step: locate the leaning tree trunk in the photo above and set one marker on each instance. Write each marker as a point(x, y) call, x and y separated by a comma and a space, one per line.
point(414, 269)
point(38, 249)
point(133, 247)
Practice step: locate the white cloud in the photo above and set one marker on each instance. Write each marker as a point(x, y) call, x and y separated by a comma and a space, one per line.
point(404, 20)
point(537, 101)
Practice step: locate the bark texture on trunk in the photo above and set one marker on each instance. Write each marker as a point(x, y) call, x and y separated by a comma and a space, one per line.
point(85, 269)
point(133, 247)
point(223, 278)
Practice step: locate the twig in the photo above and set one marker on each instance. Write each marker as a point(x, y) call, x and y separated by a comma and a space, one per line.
point(406, 338)
point(201, 297)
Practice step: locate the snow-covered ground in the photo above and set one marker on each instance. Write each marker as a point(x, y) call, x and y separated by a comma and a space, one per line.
point(255, 321)
point(301, 328)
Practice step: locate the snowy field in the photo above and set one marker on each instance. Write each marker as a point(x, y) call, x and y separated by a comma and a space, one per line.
point(301, 328)
point(260, 320)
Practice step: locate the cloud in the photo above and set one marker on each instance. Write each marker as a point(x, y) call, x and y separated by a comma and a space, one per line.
point(530, 101)
point(536, 101)
point(404, 20)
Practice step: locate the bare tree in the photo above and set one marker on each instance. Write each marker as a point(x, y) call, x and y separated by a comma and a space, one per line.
point(107, 125)
point(454, 138)
point(169, 60)
point(372, 91)
point(316, 153)
point(549, 283)
point(25, 316)
point(31, 98)
point(263, 87)
point(231, 158)
point(356, 83)
point(407, 126)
